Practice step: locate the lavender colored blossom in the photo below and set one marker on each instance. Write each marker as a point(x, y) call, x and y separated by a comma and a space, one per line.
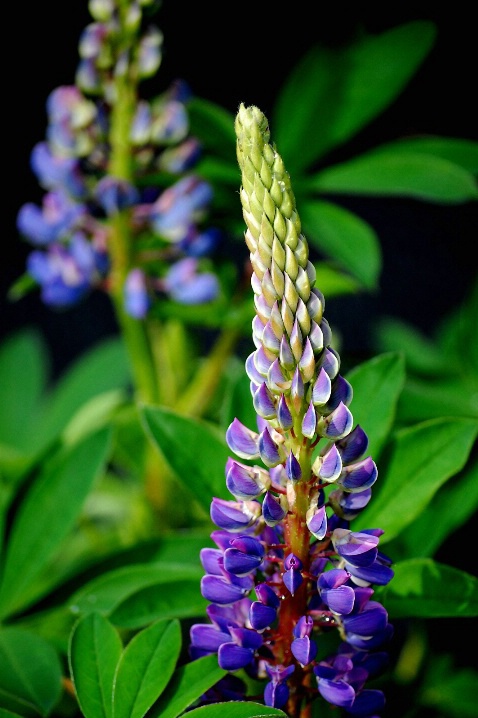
point(94, 169)
point(287, 537)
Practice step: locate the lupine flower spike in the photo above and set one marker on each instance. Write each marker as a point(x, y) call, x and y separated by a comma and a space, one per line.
point(288, 569)
point(106, 222)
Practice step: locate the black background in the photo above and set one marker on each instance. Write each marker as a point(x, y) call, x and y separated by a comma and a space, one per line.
point(231, 53)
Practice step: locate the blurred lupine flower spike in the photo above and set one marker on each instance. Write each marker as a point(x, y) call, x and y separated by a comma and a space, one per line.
point(288, 568)
point(94, 168)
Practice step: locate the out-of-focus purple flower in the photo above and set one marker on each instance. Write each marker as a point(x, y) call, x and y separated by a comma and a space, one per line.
point(186, 285)
point(114, 194)
point(57, 216)
point(178, 207)
point(64, 273)
point(137, 300)
point(54, 172)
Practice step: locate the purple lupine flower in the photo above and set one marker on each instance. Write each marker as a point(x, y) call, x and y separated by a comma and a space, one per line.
point(85, 148)
point(310, 571)
point(188, 286)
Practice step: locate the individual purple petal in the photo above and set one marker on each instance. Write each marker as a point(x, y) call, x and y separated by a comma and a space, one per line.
point(276, 379)
point(352, 447)
point(337, 424)
point(367, 703)
point(359, 476)
point(292, 580)
point(341, 392)
point(269, 339)
point(317, 523)
point(297, 389)
point(207, 637)
point(309, 422)
point(232, 515)
point(268, 449)
point(232, 657)
point(304, 650)
point(209, 558)
point(261, 616)
point(114, 194)
point(339, 600)
point(376, 573)
point(286, 357)
point(284, 417)
point(303, 627)
point(136, 298)
point(272, 510)
point(276, 695)
point(186, 285)
point(348, 506)
point(331, 465)
point(307, 361)
point(222, 538)
point(330, 362)
point(267, 595)
point(246, 482)
point(218, 590)
point(339, 693)
point(242, 441)
point(264, 402)
point(252, 371)
point(240, 563)
point(321, 389)
point(293, 468)
point(373, 619)
point(358, 549)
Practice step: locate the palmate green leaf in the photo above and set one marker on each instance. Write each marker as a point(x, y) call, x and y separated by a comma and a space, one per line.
point(94, 652)
point(377, 384)
point(8, 714)
point(48, 513)
point(236, 709)
point(196, 451)
point(422, 458)
point(457, 150)
point(423, 588)
point(171, 599)
point(145, 667)
point(104, 593)
point(187, 684)
point(457, 500)
point(400, 173)
point(30, 673)
point(23, 376)
point(343, 237)
point(331, 95)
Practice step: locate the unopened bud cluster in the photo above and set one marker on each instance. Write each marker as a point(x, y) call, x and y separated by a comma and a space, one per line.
point(288, 569)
